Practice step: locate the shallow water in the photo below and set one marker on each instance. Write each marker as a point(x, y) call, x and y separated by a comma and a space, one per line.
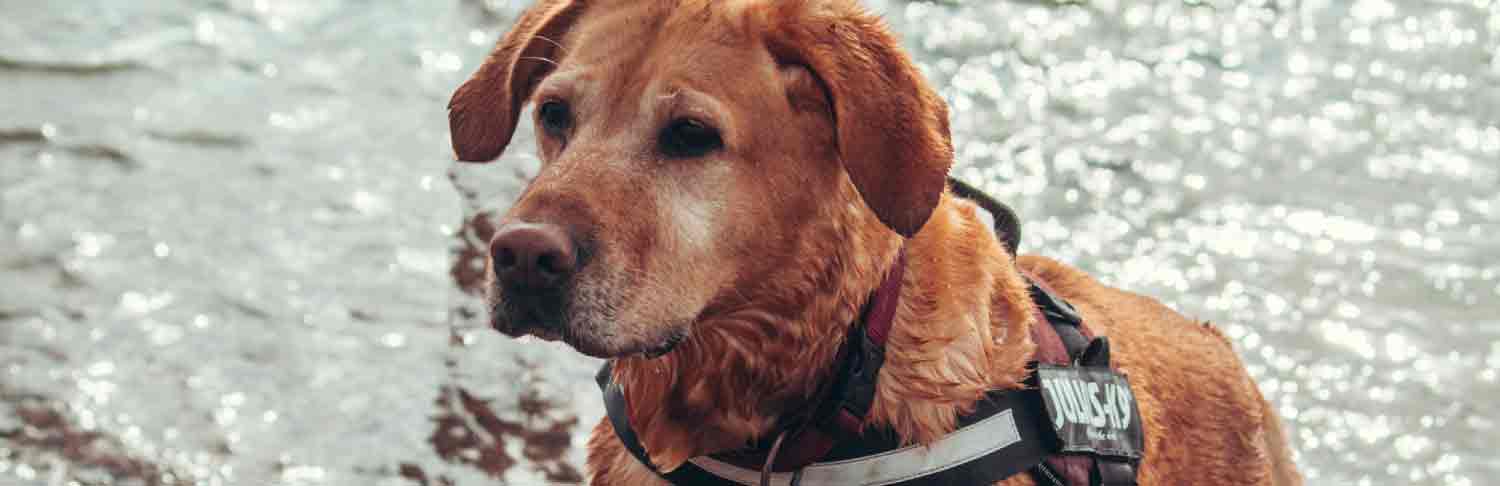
point(227, 227)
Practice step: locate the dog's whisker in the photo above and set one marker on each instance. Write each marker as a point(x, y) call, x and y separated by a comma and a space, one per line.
point(553, 42)
point(538, 58)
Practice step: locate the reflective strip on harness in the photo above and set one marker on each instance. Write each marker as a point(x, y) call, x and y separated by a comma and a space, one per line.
point(914, 461)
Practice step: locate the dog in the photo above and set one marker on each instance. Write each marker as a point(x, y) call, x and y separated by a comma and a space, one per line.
point(724, 183)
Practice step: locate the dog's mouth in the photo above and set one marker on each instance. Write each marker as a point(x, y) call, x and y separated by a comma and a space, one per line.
point(610, 347)
point(673, 339)
point(527, 313)
point(546, 317)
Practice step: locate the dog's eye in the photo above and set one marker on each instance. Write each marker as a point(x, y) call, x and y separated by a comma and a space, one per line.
point(556, 118)
point(686, 138)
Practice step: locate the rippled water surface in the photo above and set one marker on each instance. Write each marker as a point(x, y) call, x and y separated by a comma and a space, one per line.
point(230, 230)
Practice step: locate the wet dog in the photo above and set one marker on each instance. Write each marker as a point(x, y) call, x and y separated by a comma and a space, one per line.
point(725, 182)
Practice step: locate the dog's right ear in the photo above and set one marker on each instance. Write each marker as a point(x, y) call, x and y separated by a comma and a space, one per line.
point(483, 113)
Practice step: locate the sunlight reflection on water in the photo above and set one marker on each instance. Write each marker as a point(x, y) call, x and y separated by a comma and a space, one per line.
point(226, 243)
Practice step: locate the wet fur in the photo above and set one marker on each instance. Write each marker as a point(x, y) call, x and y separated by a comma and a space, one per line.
point(804, 215)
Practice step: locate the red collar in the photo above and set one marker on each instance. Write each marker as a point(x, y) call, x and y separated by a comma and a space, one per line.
point(881, 308)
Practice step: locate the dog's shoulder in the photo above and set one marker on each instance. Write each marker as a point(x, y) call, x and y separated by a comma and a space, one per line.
point(1106, 308)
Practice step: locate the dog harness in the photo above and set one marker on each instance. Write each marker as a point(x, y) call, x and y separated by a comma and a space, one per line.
point(1076, 422)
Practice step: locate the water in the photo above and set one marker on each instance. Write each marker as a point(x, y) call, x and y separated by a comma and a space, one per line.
point(227, 227)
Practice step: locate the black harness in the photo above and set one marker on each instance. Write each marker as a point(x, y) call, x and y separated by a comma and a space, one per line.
point(1076, 422)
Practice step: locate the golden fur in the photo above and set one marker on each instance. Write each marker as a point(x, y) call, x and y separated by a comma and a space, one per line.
point(761, 253)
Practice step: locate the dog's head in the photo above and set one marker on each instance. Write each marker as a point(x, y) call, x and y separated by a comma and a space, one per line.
point(686, 146)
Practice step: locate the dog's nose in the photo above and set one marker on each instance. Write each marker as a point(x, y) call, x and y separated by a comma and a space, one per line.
point(531, 256)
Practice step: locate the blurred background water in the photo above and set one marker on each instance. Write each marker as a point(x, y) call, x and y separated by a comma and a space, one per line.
point(232, 240)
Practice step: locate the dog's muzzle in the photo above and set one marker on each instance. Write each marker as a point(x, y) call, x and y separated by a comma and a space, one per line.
point(533, 263)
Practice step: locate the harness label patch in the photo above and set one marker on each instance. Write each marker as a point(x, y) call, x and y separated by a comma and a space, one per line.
point(1092, 410)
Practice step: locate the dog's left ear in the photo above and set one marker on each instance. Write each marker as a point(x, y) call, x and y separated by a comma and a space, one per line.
point(892, 127)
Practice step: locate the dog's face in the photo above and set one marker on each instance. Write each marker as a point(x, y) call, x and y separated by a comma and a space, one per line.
point(685, 147)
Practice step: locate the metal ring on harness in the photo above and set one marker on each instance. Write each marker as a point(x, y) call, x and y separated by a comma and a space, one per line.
point(765, 471)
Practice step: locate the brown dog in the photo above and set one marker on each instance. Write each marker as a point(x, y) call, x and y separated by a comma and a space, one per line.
point(725, 182)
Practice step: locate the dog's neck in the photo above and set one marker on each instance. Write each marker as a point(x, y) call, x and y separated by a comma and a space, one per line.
point(765, 354)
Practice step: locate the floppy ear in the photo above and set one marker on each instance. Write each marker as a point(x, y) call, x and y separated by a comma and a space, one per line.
point(892, 127)
point(483, 112)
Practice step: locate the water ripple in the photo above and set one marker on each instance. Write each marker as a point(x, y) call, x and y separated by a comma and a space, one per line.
point(266, 292)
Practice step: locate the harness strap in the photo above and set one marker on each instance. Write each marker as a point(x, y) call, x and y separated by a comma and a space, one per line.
point(1066, 324)
point(1108, 470)
point(1067, 342)
point(1053, 322)
point(1007, 224)
point(1002, 438)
